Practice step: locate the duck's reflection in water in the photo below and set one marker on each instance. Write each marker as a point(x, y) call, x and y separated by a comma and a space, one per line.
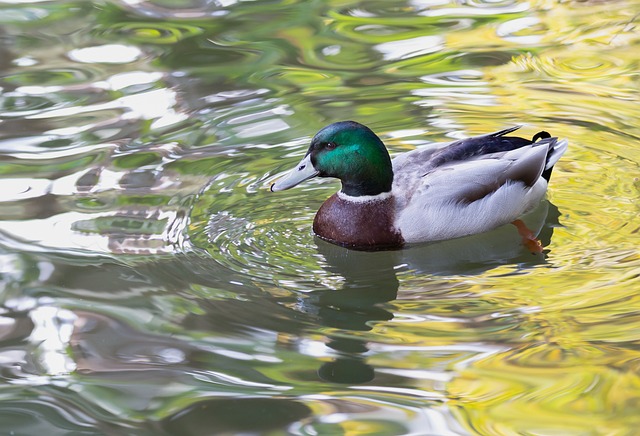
point(370, 280)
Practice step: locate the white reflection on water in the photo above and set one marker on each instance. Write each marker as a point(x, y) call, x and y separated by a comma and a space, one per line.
point(24, 1)
point(258, 128)
point(52, 331)
point(81, 233)
point(157, 104)
point(120, 81)
point(116, 82)
point(409, 48)
point(180, 10)
point(475, 9)
point(56, 231)
point(21, 189)
point(432, 420)
point(25, 61)
point(509, 29)
point(106, 54)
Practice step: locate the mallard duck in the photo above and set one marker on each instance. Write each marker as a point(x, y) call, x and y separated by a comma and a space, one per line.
point(433, 193)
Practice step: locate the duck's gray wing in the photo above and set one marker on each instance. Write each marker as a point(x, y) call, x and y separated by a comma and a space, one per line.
point(410, 167)
point(469, 148)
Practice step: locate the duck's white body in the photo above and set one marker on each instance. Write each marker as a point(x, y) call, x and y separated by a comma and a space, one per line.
point(463, 197)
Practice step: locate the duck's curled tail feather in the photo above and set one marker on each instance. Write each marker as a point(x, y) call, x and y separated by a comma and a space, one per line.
point(556, 150)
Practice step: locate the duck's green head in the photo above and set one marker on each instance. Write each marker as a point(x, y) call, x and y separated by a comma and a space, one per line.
point(350, 152)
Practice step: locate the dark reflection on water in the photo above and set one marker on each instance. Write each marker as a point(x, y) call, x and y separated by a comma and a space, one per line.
point(236, 415)
point(369, 280)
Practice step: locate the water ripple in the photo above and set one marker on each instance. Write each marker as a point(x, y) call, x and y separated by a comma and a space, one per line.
point(192, 9)
point(50, 77)
point(147, 33)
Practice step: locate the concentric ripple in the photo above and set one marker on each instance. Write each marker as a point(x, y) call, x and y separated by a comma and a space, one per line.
point(50, 77)
point(145, 33)
point(272, 246)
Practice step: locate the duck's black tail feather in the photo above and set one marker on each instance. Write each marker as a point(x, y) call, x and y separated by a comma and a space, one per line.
point(540, 135)
point(556, 150)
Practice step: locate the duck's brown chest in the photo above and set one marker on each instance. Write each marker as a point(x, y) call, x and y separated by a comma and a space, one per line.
point(363, 225)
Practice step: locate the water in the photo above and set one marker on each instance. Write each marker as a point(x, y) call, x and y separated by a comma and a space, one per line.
point(150, 283)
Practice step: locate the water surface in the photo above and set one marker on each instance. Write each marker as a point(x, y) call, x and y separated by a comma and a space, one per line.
point(151, 284)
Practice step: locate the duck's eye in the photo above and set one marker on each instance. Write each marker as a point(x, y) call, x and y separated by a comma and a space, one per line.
point(331, 145)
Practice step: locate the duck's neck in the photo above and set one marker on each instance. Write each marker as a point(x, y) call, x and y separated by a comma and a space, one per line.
point(371, 182)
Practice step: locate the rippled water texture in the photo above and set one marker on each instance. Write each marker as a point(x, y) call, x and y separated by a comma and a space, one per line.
point(151, 284)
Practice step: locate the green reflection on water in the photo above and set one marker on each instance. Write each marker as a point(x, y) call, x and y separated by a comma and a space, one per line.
point(150, 282)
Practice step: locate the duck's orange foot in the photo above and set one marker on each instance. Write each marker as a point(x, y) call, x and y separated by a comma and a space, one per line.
point(529, 240)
